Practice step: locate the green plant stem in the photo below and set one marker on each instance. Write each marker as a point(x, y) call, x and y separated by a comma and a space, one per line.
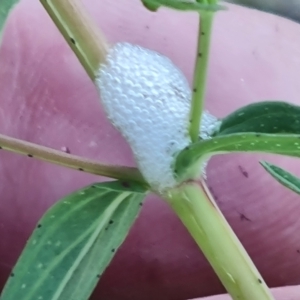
point(199, 81)
point(196, 208)
point(68, 160)
point(80, 32)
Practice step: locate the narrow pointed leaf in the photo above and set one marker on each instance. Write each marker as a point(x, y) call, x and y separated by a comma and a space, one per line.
point(263, 117)
point(184, 5)
point(284, 177)
point(195, 154)
point(6, 7)
point(74, 242)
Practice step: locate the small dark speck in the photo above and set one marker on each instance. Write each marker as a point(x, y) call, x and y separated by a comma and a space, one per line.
point(298, 251)
point(243, 171)
point(258, 135)
point(141, 204)
point(0, 147)
point(244, 218)
point(125, 184)
point(199, 54)
point(111, 222)
point(202, 33)
point(12, 274)
point(39, 226)
point(254, 53)
point(80, 169)
point(66, 150)
point(29, 155)
point(259, 281)
point(98, 275)
point(106, 228)
point(72, 41)
point(147, 27)
point(93, 186)
point(194, 90)
point(187, 148)
point(113, 250)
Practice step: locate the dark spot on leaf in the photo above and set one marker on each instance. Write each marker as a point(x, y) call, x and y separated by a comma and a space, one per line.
point(106, 228)
point(12, 274)
point(147, 27)
point(111, 222)
point(187, 148)
point(39, 225)
point(243, 171)
point(258, 135)
point(29, 155)
point(199, 54)
point(80, 169)
point(175, 170)
point(98, 275)
point(194, 90)
point(125, 184)
point(141, 203)
point(72, 41)
point(0, 147)
point(259, 281)
point(113, 250)
point(202, 33)
point(93, 186)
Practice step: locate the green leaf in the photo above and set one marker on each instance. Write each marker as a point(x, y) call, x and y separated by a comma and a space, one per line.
point(184, 5)
point(285, 178)
point(263, 117)
point(5, 8)
point(74, 243)
point(191, 157)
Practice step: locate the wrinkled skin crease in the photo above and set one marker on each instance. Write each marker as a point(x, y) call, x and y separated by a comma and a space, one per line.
point(47, 98)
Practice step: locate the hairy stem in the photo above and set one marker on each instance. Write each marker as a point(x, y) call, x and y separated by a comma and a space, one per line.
point(80, 32)
point(68, 160)
point(200, 72)
point(199, 213)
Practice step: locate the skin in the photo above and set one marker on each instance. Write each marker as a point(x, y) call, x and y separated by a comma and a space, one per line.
point(47, 98)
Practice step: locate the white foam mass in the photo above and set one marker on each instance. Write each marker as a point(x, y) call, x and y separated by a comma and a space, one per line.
point(147, 98)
